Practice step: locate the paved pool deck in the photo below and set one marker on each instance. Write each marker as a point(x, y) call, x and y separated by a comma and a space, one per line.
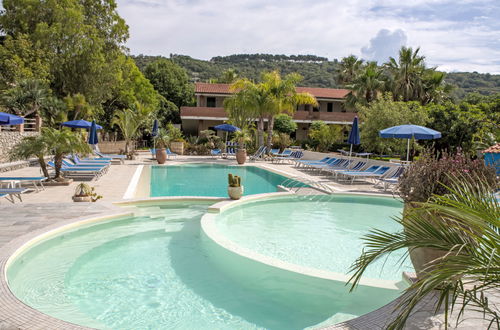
point(53, 207)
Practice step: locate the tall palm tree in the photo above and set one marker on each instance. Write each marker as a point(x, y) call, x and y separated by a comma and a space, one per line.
point(407, 73)
point(465, 226)
point(129, 123)
point(282, 97)
point(348, 69)
point(367, 85)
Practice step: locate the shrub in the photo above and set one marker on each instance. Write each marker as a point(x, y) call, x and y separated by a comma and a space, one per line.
point(283, 123)
point(430, 175)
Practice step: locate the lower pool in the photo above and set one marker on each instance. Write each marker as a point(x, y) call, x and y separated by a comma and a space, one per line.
point(210, 180)
point(157, 270)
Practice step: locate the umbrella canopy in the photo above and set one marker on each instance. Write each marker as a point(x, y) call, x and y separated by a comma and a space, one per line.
point(79, 124)
point(354, 135)
point(10, 119)
point(410, 131)
point(227, 128)
point(154, 132)
point(93, 133)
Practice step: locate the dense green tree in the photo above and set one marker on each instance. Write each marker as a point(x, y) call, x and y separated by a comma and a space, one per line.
point(78, 108)
point(81, 42)
point(324, 136)
point(228, 77)
point(284, 123)
point(171, 81)
point(384, 112)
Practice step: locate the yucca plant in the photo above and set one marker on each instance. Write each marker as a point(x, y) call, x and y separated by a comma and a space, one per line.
point(465, 224)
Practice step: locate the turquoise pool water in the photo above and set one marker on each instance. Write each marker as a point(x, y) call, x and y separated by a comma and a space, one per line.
point(210, 180)
point(157, 270)
point(322, 232)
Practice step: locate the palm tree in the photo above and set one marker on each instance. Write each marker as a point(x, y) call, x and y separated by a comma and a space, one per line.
point(31, 146)
point(62, 142)
point(465, 226)
point(78, 107)
point(367, 85)
point(282, 97)
point(348, 69)
point(26, 98)
point(129, 122)
point(407, 73)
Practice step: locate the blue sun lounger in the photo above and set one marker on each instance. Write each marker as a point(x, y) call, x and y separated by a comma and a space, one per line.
point(364, 175)
point(215, 153)
point(86, 172)
point(356, 167)
point(331, 163)
point(10, 193)
point(170, 153)
point(33, 180)
point(120, 158)
point(69, 164)
point(301, 162)
point(79, 161)
point(390, 179)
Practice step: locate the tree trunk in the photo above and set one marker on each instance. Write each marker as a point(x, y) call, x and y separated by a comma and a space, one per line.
point(58, 164)
point(260, 131)
point(43, 166)
point(270, 126)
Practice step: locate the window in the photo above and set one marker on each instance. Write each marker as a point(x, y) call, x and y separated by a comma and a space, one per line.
point(211, 102)
point(329, 107)
point(315, 109)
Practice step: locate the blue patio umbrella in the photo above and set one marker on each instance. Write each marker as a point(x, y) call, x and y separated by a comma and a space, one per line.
point(408, 132)
point(354, 135)
point(93, 134)
point(154, 132)
point(227, 128)
point(10, 119)
point(80, 124)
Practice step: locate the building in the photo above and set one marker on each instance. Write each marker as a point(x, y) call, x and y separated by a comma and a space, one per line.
point(209, 110)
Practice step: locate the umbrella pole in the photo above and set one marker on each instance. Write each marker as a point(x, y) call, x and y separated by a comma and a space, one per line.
point(408, 151)
point(350, 152)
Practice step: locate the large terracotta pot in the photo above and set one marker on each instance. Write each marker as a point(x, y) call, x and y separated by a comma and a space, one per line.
point(422, 257)
point(161, 156)
point(241, 156)
point(177, 147)
point(235, 192)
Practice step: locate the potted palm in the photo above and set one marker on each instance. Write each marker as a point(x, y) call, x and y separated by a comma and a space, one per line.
point(176, 139)
point(242, 137)
point(85, 193)
point(161, 141)
point(234, 189)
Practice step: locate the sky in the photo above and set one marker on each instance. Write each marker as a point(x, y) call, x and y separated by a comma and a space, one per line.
point(456, 35)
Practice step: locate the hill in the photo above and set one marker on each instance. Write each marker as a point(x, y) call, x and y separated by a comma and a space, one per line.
point(317, 71)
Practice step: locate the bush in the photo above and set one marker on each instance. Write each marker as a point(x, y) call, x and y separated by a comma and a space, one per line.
point(324, 136)
point(430, 175)
point(283, 123)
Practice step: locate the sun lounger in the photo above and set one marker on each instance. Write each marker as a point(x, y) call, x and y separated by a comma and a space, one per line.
point(121, 158)
point(10, 193)
point(79, 161)
point(215, 153)
point(87, 172)
point(274, 152)
point(67, 163)
point(295, 155)
point(259, 153)
point(364, 175)
point(33, 180)
point(391, 180)
point(301, 162)
point(170, 153)
point(352, 167)
point(332, 163)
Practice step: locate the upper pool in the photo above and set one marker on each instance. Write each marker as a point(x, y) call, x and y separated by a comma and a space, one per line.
point(210, 180)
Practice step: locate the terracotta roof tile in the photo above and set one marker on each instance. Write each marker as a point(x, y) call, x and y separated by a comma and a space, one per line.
point(493, 149)
point(329, 93)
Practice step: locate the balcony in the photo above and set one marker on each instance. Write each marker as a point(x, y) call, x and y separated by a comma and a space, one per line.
point(204, 113)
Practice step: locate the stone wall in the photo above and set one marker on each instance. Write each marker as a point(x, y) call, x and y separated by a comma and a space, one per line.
point(8, 140)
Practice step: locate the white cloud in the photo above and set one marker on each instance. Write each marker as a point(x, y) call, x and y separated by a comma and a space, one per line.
point(464, 38)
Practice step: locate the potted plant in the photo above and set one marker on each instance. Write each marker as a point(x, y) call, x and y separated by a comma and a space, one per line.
point(162, 141)
point(176, 139)
point(85, 193)
point(234, 189)
point(431, 176)
point(242, 137)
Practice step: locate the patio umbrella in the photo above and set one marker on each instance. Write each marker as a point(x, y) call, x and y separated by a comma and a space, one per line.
point(409, 132)
point(10, 119)
point(227, 128)
point(80, 124)
point(154, 133)
point(354, 135)
point(93, 134)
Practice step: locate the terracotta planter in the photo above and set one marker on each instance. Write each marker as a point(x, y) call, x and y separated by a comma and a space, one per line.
point(82, 199)
point(235, 192)
point(177, 147)
point(161, 156)
point(422, 257)
point(241, 156)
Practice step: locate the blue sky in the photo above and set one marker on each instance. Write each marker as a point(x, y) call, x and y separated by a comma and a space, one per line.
point(459, 35)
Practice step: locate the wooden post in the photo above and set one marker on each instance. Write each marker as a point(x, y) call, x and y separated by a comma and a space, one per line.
point(38, 123)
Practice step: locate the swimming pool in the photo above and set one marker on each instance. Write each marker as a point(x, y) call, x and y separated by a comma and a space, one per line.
point(157, 270)
point(210, 180)
point(319, 232)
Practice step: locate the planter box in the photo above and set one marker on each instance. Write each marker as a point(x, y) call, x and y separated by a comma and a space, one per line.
point(177, 147)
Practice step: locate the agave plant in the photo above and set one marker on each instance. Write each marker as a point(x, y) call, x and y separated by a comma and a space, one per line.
point(465, 224)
